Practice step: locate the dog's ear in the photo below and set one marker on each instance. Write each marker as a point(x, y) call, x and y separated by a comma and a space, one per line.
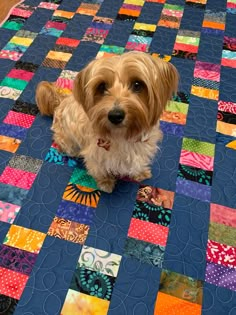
point(79, 87)
point(165, 80)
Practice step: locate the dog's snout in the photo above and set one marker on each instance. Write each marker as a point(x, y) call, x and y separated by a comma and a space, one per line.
point(116, 116)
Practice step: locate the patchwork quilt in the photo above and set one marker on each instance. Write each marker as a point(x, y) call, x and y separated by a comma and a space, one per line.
point(163, 246)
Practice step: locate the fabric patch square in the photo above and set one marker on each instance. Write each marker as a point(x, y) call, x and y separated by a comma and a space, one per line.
point(8, 212)
point(68, 230)
point(156, 196)
point(152, 213)
point(145, 252)
point(108, 51)
point(70, 42)
point(14, 83)
point(188, 289)
point(167, 304)
point(12, 131)
point(82, 178)
point(25, 108)
point(27, 66)
point(195, 174)
point(12, 283)
point(19, 119)
point(221, 254)
point(75, 212)
point(8, 92)
point(148, 232)
point(9, 304)
point(92, 283)
point(99, 260)
point(171, 16)
point(78, 302)
point(24, 238)
point(197, 3)
point(222, 234)
point(16, 259)
point(222, 215)
point(95, 35)
point(12, 194)
point(197, 146)
point(11, 55)
point(193, 189)
point(25, 163)
point(9, 144)
point(20, 74)
point(221, 276)
point(88, 9)
point(52, 63)
point(18, 178)
point(48, 5)
point(196, 160)
point(53, 156)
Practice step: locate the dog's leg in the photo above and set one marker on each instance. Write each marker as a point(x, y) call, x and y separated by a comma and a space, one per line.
point(145, 174)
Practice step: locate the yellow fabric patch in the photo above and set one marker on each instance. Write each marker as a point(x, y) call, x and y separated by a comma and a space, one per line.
point(135, 2)
point(65, 14)
point(226, 129)
point(57, 55)
point(145, 27)
point(206, 93)
point(231, 145)
point(21, 41)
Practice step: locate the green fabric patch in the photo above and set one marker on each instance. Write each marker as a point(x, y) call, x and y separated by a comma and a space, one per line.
point(11, 25)
point(112, 49)
point(222, 234)
point(26, 34)
point(200, 147)
point(81, 177)
point(187, 40)
point(177, 107)
point(173, 7)
point(14, 83)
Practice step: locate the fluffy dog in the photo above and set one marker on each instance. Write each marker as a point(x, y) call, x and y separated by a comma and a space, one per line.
point(112, 117)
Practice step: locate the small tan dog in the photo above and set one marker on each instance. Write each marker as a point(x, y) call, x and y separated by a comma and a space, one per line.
point(112, 117)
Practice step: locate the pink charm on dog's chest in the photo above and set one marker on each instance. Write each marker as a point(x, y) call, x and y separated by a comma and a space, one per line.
point(105, 144)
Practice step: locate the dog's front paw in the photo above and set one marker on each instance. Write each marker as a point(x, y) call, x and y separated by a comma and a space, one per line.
point(142, 176)
point(106, 184)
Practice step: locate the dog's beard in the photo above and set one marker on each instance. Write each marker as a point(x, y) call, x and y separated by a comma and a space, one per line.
point(134, 124)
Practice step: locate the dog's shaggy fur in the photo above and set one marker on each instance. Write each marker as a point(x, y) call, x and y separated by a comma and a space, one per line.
point(112, 117)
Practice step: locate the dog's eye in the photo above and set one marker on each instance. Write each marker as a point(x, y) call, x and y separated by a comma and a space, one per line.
point(102, 88)
point(137, 86)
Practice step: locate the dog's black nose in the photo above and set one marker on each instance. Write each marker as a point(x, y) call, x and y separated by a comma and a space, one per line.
point(116, 116)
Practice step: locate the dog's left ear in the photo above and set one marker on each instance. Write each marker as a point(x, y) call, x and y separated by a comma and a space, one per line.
point(165, 85)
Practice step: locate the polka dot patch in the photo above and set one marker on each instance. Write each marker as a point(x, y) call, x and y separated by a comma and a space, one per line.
point(18, 178)
point(149, 232)
point(19, 119)
point(197, 146)
point(170, 305)
point(221, 276)
point(12, 283)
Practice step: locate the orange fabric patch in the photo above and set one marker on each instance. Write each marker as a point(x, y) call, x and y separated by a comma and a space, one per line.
point(9, 144)
point(215, 25)
point(169, 24)
point(129, 12)
point(170, 305)
point(174, 117)
point(83, 195)
point(206, 93)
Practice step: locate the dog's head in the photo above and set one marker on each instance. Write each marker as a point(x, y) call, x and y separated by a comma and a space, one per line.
point(125, 95)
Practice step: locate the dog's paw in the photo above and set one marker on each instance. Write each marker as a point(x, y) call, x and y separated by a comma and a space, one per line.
point(142, 176)
point(106, 184)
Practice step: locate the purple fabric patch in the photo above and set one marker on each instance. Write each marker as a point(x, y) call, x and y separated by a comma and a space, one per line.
point(131, 7)
point(194, 190)
point(221, 276)
point(207, 66)
point(17, 259)
point(173, 129)
point(13, 131)
point(75, 212)
point(212, 31)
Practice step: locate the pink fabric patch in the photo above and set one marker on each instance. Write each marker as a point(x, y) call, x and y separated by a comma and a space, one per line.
point(148, 232)
point(56, 25)
point(175, 13)
point(207, 74)
point(227, 107)
point(197, 160)
point(48, 5)
point(12, 283)
point(22, 13)
point(221, 254)
point(223, 215)
point(136, 46)
point(8, 212)
point(186, 47)
point(12, 55)
point(20, 74)
point(231, 5)
point(19, 119)
point(18, 178)
point(64, 83)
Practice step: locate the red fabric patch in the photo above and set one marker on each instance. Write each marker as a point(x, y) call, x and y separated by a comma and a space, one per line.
point(12, 283)
point(56, 25)
point(148, 232)
point(19, 119)
point(67, 42)
point(186, 47)
point(228, 63)
point(221, 254)
point(223, 215)
point(20, 74)
point(18, 178)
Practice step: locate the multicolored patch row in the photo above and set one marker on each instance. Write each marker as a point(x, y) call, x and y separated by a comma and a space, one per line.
point(98, 30)
point(178, 294)
point(18, 16)
point(141, 37)
point(18, 45)
point(18, 255)
point(92, 282)
point(108, 51)
point(197, 3)
point(186, 44)
point(130, 10)
point(226, 124)
point(149, 226)
point(195, 169)
point(214, 22)
point(221, 247)
point(88, 7)
point(229, 52)
point(206, 80)
point(231, 6)
point(58, 23)
point(171, 16)
point(174, 117)
point(61, 54)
